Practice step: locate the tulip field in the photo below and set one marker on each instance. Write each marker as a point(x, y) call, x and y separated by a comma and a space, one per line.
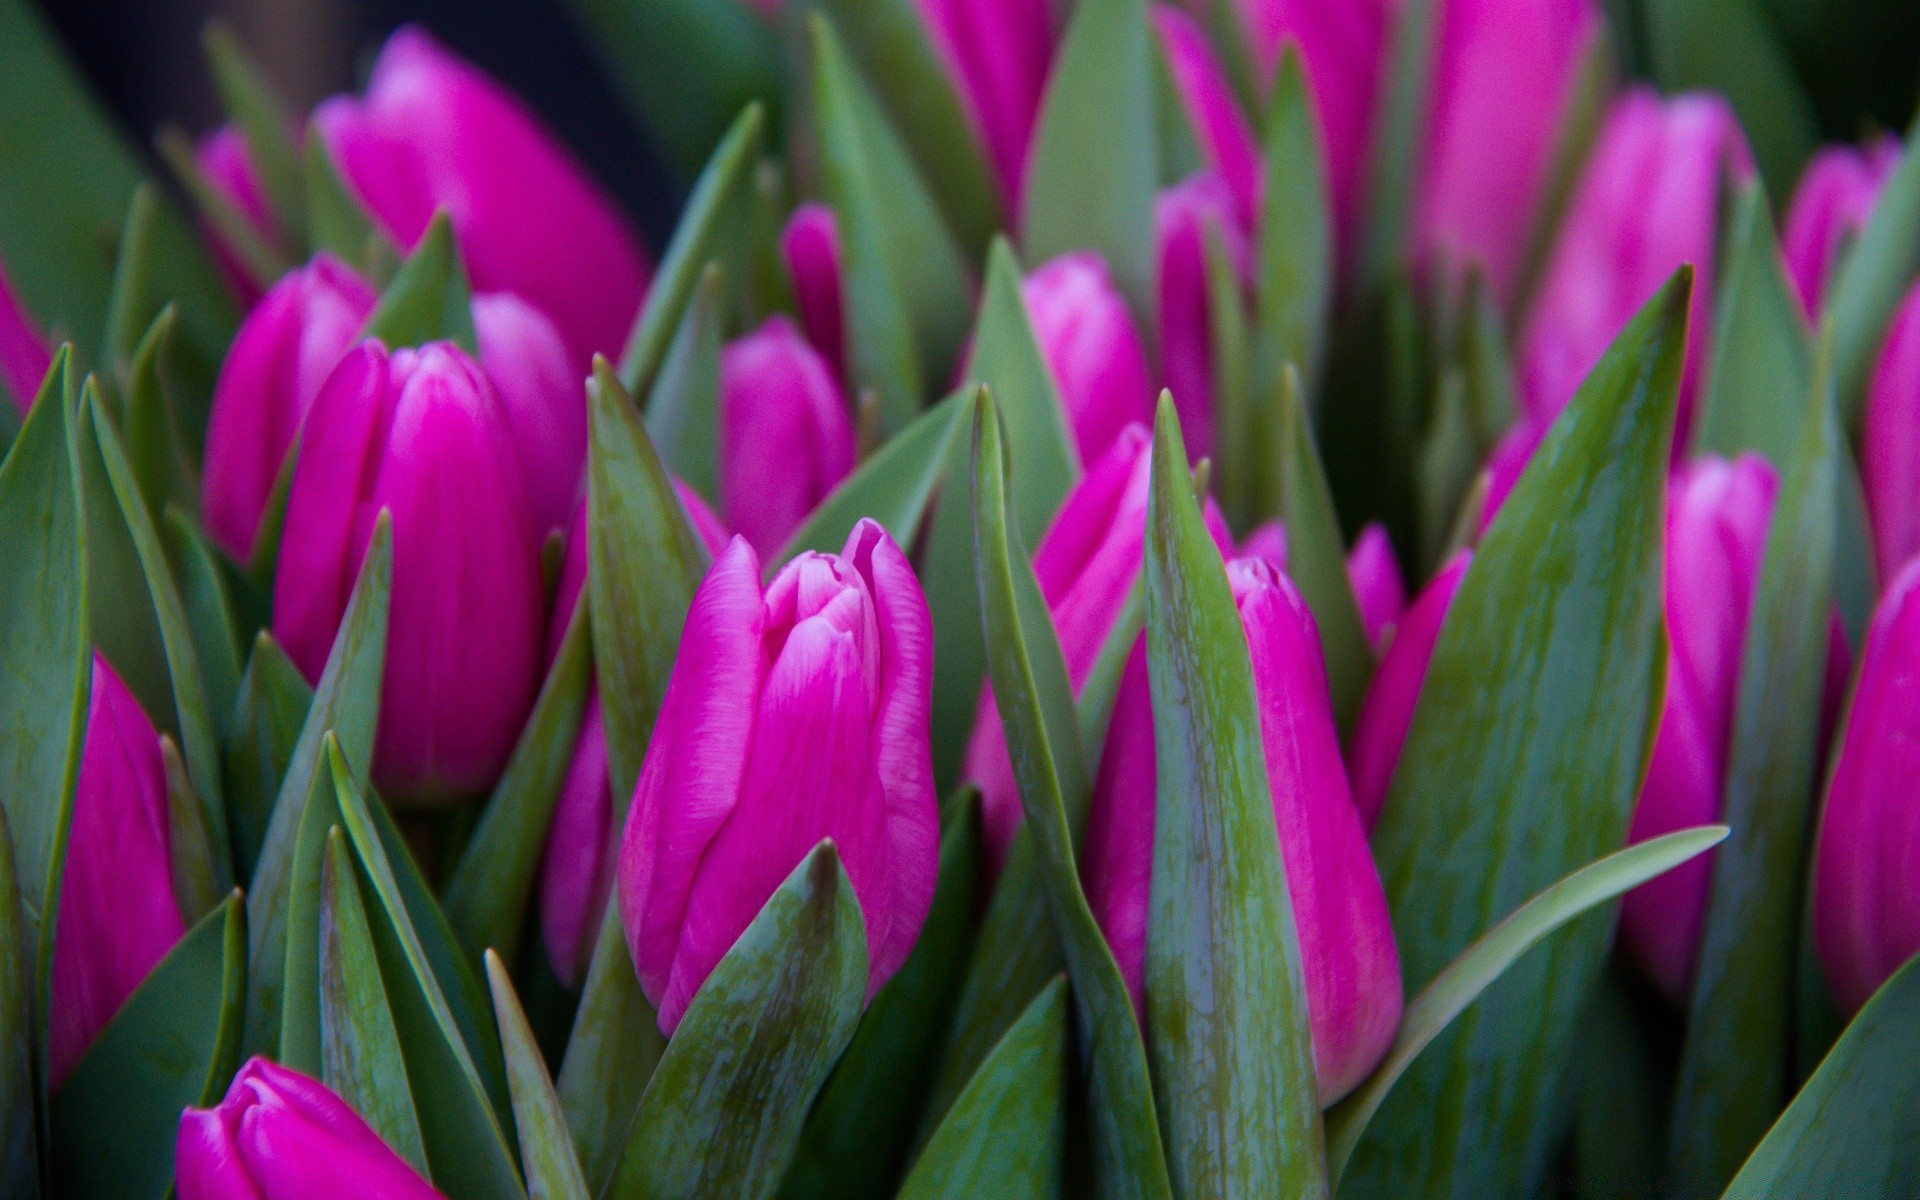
point(1147, 599)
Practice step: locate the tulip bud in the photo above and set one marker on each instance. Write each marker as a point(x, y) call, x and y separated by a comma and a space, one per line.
point(1866, 911)
point(1089, 341)
point(543, 397)
point(278, 1135)
point(786, 435)
point(811, 246)
point(1377, 586)
point(118, 916)
point(284, 351)
point(1890, 442)
point(1339, 906)
point(1647, 202)
point(1835, 197)
point(999, 52)
point(223, 159)
point(434, 132)
point(1505, 72)
point(1182, 216)
point(24, 353)
point(1385, 715)
point(423, 434)
point(1717, 517)
point(1212, 109)
point(1268, 542)
point(794, 713)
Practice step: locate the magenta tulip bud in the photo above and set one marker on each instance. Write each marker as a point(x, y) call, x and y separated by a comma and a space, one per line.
point(1268, 543)
point(1866, 910)
point(1385, 715)
point(811, 246)
point(1182, 216)
point(434, 132)
point(286, 348)
point(24, 353)
point(1717, 517)
point(1339, 906)
point(118, 916)
point(1377, 586)
point(794, 713)
point(1835, 197)
point(223, 160)
point(543, 397)
point(1505, 73)
point(999, 52)
point(278, 1135)
point(1890, 442)
point(423, 434)
point(786, 434)
point(1647, 202)
point(1212, 109)
point(1090, 343)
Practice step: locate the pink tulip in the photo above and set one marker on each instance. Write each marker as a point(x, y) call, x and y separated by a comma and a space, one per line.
point(1717, 517)
point(1090, 343)
point(1377, 585)
point(223, 159)
point(1385, 715)
point(1506, 70)
point(810, 244)
point(434, 132)
point(1182, 216)
point(1890, 442)
point(1268, 542)
point(795, 712)
point(24, 353)
point(118, 916)
point(999, 52)
point(278, 1135)
point(1212, 109)
point(786, 434)
point(1866, 911)
point(1833, 201)
point(286, 348)
point(1647, 202)
point(543, 397)
point(1339, 907)
point(424, 434)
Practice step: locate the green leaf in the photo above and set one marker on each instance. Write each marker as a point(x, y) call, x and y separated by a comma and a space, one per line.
point(1294, 285)
point(723, 1112)
point(486, 900)
point(1472, 409)
point(685, 68)
point(1735, 1069)
point(894, 486)
point(696, 240)
point(1630, 1039)
point(268, 718)
point(336, 220)
point(1850, 1130)
point(1091, 171)
point(1871, 279)
point(906, 291)
point(1464, 979)
point(429, 298)
point(19, 1096)
point(1522, 763)
point(212, 617)
point(190, 853)
point(1757, 384)
point(1237, 462)
point(611, 1056)
point(301, 1045)
point(1043, 739)
point(262, 261)
point(346, 703)
point(174, 1043)
point(360, 1052)
point(683, 410)
point(856, 1139)
point(1397, 138)
point(1005, 1135)
point(643, 562)
point(266, 127)
point(546, 1151)
point(155, 449)
point(1589, 96)
point(1232, 1049)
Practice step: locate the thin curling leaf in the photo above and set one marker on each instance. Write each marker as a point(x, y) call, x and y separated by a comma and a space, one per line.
point(906, 291)
point(723, 1112)
point(1734, 1063)
point(1757, 383)
point(1850, 1129)
point(1399, 129)
point(265, 124)
point(1466, 977)
point(1092, 170)
point(611, 1055)
point(19, 1132)
point(429, 299)
point(1006, 1133)
point(683, 409)
point(346, 703)
point(1545, 682)
point(696, 241)
point(1294, 279)
point(174, 1043)
point(546, 1152)
point(1232, 1047)
point(1043, 739)
point(1871, 279)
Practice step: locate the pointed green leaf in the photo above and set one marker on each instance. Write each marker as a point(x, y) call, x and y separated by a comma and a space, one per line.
point(19, 1097)
point(546, 1151)
point(1236, 460)
point(1397, 137)
point(261, 260)
point(174, 1043)
point(155, 449)
point(190, 852)
point(1294, 285)
point(1757, 384)
point(429, 298)
point(301, 1045)
point(1005, 1136)
point(268, 718)
point(1177, 147)
point(336, 220)
point(723, 1112)
point(1522, 763)
point(266, 127)
point(683, 409)
point(212, 617)
point(611, 1056)
point(1871, 278)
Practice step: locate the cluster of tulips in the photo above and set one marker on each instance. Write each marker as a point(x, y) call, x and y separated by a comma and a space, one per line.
point(1146, 600)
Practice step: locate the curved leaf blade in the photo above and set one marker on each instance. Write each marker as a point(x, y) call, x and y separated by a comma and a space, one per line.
point(614, 1050)
point(546, 1150)
point(429, 298)
point(1871, 279)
